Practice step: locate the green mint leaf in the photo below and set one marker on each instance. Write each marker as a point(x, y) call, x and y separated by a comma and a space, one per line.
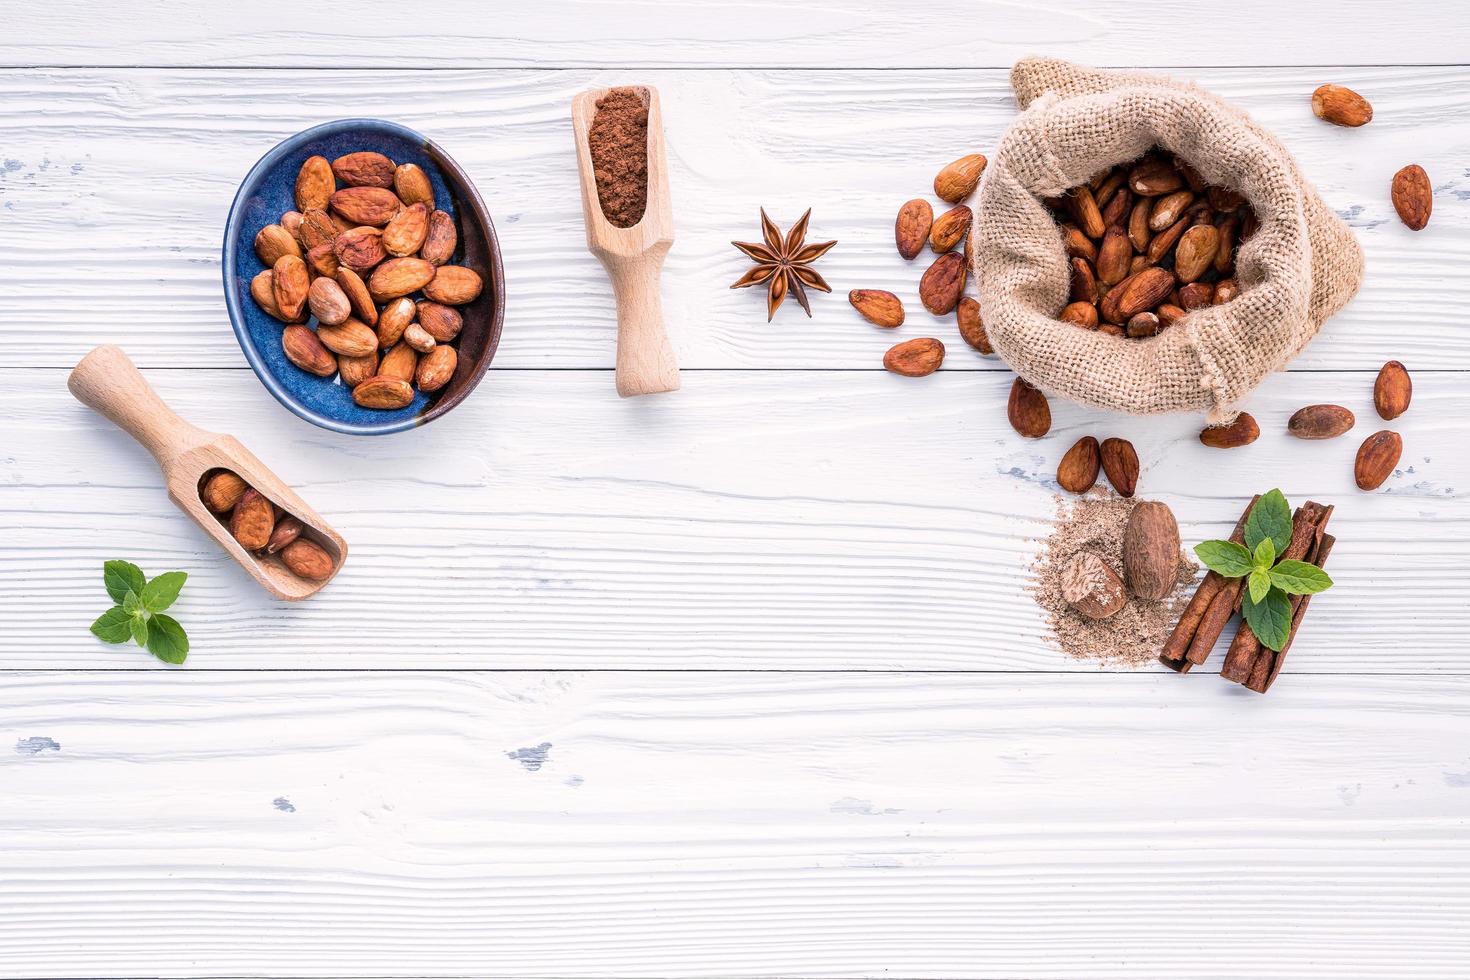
point(167, 640)
point(113, 626)
point(138, 623)
point(161, 592)
point(1265, 555)
point(1269, 619)
point(131, 604)
point(1299, 578)
point(1225, 557)
point(1259, 584)
point(1269, 518)
point(120, 577)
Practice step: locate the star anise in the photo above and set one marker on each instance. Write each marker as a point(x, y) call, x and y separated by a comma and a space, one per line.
point(785, 263)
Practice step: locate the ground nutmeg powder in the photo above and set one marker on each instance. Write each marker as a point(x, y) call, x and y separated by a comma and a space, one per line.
point(618, 142)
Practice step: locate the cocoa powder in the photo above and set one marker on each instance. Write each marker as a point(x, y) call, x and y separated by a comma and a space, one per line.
point(1133, 635)
point(618, 142)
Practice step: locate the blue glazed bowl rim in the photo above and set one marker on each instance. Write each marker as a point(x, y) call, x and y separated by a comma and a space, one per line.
point(232, 298)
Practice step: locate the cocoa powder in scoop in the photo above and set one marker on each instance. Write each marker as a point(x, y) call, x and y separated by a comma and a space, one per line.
point(618, 142)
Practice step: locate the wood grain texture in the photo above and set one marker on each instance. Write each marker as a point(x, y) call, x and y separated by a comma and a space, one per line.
point(116, 185)
point(685, 825)
point(757, 33)
point(761, 520)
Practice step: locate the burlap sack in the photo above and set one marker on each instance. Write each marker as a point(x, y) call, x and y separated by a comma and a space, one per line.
point(1299, 268)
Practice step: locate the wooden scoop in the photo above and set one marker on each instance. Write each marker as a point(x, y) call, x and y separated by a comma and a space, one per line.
point(108, 382)
point(633, 256)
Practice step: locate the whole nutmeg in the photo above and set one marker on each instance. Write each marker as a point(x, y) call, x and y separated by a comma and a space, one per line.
point(877, 306)
point(915, 358)
point(958, 180)
point(1151, 550)
point(1392, 390)
point(1090, 586)
point(1028, 411)
point(1077, 471)
point(912, 227)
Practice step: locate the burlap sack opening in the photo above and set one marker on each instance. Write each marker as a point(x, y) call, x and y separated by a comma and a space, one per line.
point(1300, 267)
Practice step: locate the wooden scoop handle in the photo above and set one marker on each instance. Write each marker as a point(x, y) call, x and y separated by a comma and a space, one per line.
point(106, 380)
point(645, 361)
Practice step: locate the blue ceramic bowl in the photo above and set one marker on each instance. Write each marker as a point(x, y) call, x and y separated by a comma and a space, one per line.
point(269, 191)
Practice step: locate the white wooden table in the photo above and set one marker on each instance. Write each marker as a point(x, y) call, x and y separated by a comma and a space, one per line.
point(743, 681)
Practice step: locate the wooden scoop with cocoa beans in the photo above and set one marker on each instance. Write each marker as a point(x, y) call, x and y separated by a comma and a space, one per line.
point(292, 552)
point(614, 140)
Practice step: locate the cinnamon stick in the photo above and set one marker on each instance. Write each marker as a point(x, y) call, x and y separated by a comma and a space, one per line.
point(1307, 525)
point(1173, 655)
point(1267, 667)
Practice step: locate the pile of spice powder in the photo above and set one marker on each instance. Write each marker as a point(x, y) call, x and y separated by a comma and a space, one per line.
point(1135, 634)
point(618, 142)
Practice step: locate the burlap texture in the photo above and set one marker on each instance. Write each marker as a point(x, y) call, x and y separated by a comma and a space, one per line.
point(1300, 267)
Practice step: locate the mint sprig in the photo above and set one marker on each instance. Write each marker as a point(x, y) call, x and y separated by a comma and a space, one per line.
point(1268, 582)
point(138, 613)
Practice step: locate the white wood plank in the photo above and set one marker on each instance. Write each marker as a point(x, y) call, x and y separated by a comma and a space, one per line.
point(116, 185)
point(755, 519)
point(679, 825)
point(823, 33)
